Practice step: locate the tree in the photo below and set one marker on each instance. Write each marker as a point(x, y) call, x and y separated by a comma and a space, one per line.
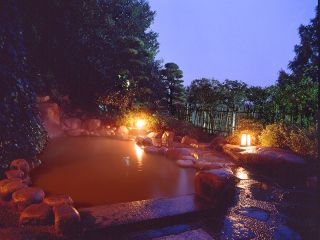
point(21, 132)
point(204, 93)
point(87, 49)
point(234, 93)
point(172, 76)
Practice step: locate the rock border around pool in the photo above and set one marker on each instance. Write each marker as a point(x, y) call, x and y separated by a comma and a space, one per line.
point(35, 208)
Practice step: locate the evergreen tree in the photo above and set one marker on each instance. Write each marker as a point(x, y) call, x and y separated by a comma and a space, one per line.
point(172, 76)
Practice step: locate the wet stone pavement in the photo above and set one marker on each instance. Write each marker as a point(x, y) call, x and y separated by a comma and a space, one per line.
point(262, 209)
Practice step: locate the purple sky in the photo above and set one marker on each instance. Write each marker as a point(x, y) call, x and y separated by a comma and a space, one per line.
point(248, 40)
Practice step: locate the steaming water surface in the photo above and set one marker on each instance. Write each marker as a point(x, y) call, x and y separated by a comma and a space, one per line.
point(96, 171)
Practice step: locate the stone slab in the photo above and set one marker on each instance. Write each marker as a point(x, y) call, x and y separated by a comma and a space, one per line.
point(103, 217)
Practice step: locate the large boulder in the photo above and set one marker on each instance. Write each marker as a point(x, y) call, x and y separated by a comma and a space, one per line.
point(215, 185)
point(122, 131)
point(55, 200)
point(37, 214)
point(217, 143)
point(8, 186)
point(27, 196)
point(12, 174)
point(189, 141)
point(186, 163)
point(67, 219)
point(179, 153)
point(92, 124)
point(264, 156)
point(50, 115)
point(154, 135)
point(71, 123)
point(20, 164)
point(167, 138)
point(144, 141)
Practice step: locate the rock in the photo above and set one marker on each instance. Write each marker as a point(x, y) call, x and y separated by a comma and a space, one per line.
point(67, 219)
point(264, 156)
point(71, 123)
point(50, 115)
point(154, 135)
point(179, 153)
point(217, 143)
point(156, 142)
point(37, 214)
point(55, 200)
point(105, 132)
point(122, 131)
point(189, 141)
point(144, 141)
point(205, 165)
point(10, 174)
point(8, 186)
point(92, 124)
point(185, 163)
point(152, 150)
point(27, 180)
point(43, 99)
point(167, 138)
point(20, 164)
point(75, 132)
point(27, 196)
point(214, 185)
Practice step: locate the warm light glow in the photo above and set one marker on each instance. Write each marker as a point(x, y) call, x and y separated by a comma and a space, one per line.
point(245, 140)
point(241, 173)
point(140, 123)
point(139, 152)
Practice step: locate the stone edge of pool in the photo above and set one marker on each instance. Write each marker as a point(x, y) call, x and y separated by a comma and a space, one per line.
point(130, 213)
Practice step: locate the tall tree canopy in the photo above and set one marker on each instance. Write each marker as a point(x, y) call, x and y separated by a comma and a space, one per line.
point(87, 49)
point(171, 77)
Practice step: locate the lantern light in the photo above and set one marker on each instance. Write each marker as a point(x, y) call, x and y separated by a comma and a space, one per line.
point(245, 140)
point(140, 123)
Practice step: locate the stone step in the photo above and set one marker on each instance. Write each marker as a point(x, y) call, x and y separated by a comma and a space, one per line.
point(144, 211)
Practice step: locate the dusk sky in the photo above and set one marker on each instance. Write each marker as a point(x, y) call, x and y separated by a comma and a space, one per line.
point(248, 40)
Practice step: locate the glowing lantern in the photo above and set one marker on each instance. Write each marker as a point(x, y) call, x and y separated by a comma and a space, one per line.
point(140, 123)
point(245, 140)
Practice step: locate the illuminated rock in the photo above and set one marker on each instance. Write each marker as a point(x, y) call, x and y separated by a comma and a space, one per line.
point(92, 124)
point(167, 138)
point(144, 141)
point(122, 131)
point(8, 186)
point(185, 163)
point(201, 165)
point(27, 196)
point(50, 115)
point(152, 150)
point(71, 123)
point(10, 174)
point(189, 141)
point(215, 185)
point(55, 200)
point(66, 219)
point(20, 164)
point(37, 214)
point(179, 153)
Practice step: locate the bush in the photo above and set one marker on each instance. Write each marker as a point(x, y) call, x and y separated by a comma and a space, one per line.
point(301, 141)
point(248, 126)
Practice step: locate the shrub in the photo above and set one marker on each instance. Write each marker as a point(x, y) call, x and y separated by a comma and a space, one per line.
point(301, 141)
point(275, 135)
point(249, 126)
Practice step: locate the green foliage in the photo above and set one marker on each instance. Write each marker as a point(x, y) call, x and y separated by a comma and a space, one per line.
point(301, 141)
point(247, 126)
point(171, 77)
point(86, 49)
point(21, 132)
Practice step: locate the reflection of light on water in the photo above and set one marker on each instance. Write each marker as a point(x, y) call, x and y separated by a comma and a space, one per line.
point(139, 153)
point(241, 173)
